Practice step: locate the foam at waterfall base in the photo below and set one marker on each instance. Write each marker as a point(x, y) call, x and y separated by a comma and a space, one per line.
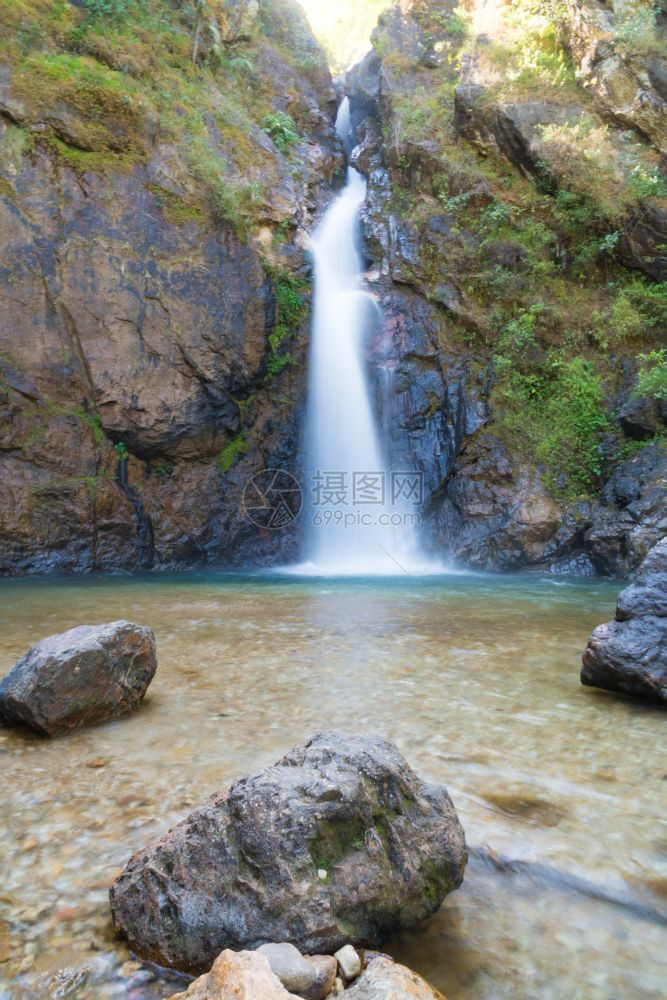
point(386, 567)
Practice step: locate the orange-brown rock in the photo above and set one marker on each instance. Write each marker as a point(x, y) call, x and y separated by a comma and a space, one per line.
point(237, 975)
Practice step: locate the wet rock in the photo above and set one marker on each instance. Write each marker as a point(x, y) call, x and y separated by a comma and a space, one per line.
point(362, 85)
point(244, 975)
point(630, 654)
point(631, 515)
point(349, 962)
point(86, 675)
point(496, 514)
point(648, 594)
point(289, 965)
point(242, 869)
point(640, 417)
point(387, 980)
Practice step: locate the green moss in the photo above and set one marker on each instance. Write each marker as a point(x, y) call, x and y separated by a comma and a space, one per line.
point(110, 108)
point(232, 450)
point(177, 210)
point(7, 191)
point(117, 72)
point(231, 200)
point(335, 841)
point(94, 422)
point(83, 161)
point(91, 487)
point(16, 144)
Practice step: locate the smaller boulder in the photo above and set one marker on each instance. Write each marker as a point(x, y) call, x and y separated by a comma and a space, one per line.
point(237, 975)
point(630, 654)
point(387, 980)
point(80, 677)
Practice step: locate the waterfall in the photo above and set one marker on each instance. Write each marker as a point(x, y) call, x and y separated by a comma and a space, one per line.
point(360, 514)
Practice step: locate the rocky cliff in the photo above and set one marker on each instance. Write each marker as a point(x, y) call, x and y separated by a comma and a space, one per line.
point(160, 164)
point(516, 237)
point(158, 169)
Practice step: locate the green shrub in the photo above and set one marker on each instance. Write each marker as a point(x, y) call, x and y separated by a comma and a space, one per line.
point(638, 309)
point(555, 415)
point(110, 9)
point(652, 378)
point(573, 420)
point(290, 306)
point(519, 337)
point(647, 182)
point(637, 33)
point(281, 129)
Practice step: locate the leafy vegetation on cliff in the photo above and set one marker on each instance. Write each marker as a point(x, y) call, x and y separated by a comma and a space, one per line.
point(216, 84)
point(528, 205)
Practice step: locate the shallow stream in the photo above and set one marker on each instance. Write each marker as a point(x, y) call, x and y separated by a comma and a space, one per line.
point(561, 789)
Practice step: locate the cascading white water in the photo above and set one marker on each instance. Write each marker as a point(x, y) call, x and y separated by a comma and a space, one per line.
point(356, 524)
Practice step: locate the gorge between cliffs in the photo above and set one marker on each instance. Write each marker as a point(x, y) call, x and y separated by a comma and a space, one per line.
point(333, 408)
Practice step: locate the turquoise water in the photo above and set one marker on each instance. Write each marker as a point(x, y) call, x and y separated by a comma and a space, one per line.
point(561, 789)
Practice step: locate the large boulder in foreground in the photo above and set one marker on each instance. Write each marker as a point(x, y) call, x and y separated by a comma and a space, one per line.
point(630, 654)
point(86, 675)
point(338, 842)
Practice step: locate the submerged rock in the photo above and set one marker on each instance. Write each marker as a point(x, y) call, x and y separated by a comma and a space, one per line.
point(630, 654)
point(244, 975)
point(243, 869)
point(387, 980)
point(83, 676)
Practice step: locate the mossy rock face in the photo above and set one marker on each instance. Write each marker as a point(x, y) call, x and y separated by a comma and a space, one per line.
point(87, 104)
point(247, 867)
point(152, 232)
point(514, 238)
